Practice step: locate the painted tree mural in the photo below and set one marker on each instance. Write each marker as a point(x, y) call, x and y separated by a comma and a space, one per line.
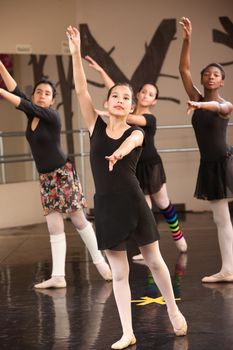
point(224, 38)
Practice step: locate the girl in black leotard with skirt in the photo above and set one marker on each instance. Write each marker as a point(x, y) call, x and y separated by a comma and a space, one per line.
point(150, 171)
point(215, 176)
point(121, 210)
point(61, 190)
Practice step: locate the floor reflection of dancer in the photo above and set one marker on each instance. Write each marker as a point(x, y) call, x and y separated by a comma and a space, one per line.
point(94, 318)
point(150, 171)
point(179, 271)
point(215, 176)
point(120, 207)
point(61, 191)
point(61, 323)
point(53, 326)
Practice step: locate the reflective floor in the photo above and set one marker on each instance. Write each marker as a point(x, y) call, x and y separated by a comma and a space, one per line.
point(83, 316)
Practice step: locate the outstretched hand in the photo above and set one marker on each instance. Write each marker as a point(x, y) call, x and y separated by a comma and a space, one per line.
point(113, 159)
point(187, 27)
point(192, 105)
point(74, 39)
point(93, 64)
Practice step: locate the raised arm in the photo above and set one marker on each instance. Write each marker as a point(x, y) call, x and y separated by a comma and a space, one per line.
point(30, 109)
point(184, 65)
point(132, 141)
point(84, 98)
point(13, 99)
point(108, 82)
point(223, 108)
point(7, 78)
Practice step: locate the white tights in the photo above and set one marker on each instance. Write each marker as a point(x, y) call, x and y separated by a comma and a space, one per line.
point(222, 219)
point(160, 198)
point(120, 271)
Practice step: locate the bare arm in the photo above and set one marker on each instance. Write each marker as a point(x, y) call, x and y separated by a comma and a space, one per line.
point(108, 82)
point(7, 78)
point(13, 99)
point(84, 98)
point(132, 141)
point(223, 108)
point(136, 119)
point(184, 65)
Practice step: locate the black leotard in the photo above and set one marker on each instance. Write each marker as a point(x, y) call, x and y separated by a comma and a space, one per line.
point(215, 176)
point(120, 207)
point(45, 139)
point(150, 171)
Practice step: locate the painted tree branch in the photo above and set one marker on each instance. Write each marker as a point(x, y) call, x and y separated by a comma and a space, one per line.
point(150, 66)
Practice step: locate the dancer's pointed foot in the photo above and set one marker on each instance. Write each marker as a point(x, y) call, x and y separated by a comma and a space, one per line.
point(104, 270)
point(179, 324)
point(218, 278)
point(53, 282)
point(124, 342)
point(181, 245)
point(137, 257)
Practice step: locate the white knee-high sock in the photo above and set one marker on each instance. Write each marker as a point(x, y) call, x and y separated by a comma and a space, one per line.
point(58, 248)
point(89, 238)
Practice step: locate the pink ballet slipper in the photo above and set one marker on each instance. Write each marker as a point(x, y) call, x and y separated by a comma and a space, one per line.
point(181, 245)
point(124, 342)
point(51, 283)
point(104, 270)
point(218, 277)
point(179, 324)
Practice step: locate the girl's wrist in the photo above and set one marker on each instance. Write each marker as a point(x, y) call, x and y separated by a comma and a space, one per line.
point(76, 52)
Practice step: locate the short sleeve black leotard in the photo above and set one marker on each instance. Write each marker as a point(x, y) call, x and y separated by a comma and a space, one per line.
point(45, 139)
point(215, 176)
point(121, 211)
point(150, 171)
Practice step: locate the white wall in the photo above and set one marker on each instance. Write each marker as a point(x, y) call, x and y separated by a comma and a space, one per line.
point(20, 204)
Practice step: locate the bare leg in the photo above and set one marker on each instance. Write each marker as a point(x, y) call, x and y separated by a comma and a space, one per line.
point(160, 273)
point(85, 229)
point(120, 271)
point(222, 220)
point(58, 247)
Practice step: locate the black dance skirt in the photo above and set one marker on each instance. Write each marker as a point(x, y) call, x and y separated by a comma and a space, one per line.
point(215, 179)
point(151, 176)
point(122, 216)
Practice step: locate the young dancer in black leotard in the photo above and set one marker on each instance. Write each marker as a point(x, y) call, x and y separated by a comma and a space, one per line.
point(121, 211)
point(215, 176)
point(61, 191)
point(150, 171)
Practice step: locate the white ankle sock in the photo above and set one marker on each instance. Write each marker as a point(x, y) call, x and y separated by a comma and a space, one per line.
point(89, 238)
point(58, 247)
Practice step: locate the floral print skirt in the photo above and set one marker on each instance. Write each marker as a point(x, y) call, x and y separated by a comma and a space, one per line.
point(61, 190)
